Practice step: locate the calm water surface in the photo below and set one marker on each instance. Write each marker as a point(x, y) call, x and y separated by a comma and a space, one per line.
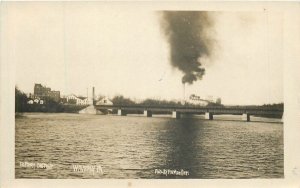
point(133, 147)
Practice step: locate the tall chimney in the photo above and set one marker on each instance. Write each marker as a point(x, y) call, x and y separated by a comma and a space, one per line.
point(93, 95)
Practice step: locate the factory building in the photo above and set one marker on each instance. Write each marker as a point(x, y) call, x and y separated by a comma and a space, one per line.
point(73, 99)
point(45, 93)
point(197, 100)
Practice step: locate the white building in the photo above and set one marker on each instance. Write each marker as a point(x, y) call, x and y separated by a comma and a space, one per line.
point(104, 101)
point(197, 100)
point(77, 100)
point(36, 100)
point(194, 99)
point(30, 101)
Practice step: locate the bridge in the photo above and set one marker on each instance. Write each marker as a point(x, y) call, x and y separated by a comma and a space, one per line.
point(183, 111)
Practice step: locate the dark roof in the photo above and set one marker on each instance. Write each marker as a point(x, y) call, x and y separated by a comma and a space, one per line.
point(82, 98)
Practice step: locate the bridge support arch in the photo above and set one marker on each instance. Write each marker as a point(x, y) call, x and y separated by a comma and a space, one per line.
point(246, 117)
point(147, 113)
point(121, 112)
point(209, 116)
point(176, 115)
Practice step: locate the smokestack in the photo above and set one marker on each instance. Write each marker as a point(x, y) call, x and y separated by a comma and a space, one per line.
point(93, 95)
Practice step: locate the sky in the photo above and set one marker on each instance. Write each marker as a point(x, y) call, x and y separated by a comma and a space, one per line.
point(121, 51)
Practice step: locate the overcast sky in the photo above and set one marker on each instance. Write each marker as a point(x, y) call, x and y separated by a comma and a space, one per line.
point(121, 51)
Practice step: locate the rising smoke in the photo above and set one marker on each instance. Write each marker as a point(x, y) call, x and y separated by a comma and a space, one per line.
point(187, 34)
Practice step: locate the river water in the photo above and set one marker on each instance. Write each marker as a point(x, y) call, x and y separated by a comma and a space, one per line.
point(99, 146)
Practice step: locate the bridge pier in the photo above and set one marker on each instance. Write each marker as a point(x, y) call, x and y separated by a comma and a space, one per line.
point(209, 115)
point(246, 117)
point(147, 113)
point(121, 112)
point(176, 115)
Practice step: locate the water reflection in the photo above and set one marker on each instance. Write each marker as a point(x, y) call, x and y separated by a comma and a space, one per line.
point(181, 137)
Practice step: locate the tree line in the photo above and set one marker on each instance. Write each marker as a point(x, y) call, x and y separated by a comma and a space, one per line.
point(50, 105)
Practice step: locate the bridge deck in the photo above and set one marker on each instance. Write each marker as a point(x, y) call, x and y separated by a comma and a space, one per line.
point(195, 110)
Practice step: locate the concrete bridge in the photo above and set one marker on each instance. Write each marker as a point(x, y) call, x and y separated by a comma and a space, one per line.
point(182, 111)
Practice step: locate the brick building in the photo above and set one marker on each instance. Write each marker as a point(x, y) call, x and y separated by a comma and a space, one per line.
point(43, 92)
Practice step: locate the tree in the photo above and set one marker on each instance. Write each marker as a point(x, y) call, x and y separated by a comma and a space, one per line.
point(120, 100)
point(155, 102)
point(20, 101)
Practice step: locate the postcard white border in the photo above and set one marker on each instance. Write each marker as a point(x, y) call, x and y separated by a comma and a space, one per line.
point(291, 11)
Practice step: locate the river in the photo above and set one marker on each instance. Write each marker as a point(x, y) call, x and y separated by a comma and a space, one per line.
point(103, 146)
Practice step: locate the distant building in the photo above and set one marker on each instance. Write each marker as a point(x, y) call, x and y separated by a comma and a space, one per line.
point(104, 101)
point(83, 101)
point(37, 101)
point(41, 101)
point(73, 99)
point(30, 101)
point(43, 92)
point(194, 99)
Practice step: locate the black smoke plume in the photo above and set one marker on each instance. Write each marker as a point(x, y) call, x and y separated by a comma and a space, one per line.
point(186, 32)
